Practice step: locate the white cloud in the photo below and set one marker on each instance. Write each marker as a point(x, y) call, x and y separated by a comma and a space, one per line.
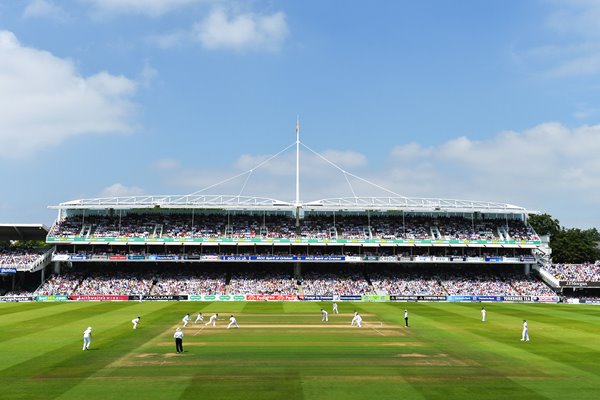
point(548, 167)
point(46, 101)
point(571, 48)
point(120, 190)
point(241, 32)
point(167, 164)
point(153, 8)
point(578, 17)
point(148, 74)
point(170, 40)
point(44, 9)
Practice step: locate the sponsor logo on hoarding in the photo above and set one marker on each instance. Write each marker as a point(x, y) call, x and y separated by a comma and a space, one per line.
point(322, 258)
point(460, 298)
point(271, 297)
point(493, 259)
point(101, 298)
point(417, 298)
point(516, 298)
point(15, 299)
point(235, 258)
point(423, 258)
point(545, 299)
point(366, 258)
point(489, 298)
point(310, 297)
point(273, 258)
point(8, 270)
point(580, 284)
point(52, 298)
point(350, 297)
point(163, 297)
point(375, 297)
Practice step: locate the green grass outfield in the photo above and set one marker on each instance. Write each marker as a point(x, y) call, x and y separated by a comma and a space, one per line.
point(283, 351)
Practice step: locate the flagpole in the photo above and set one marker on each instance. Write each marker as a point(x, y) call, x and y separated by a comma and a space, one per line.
point(297, 161)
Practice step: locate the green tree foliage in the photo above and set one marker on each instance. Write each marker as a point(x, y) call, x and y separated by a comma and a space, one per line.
point(568, 245)
point(544, 224)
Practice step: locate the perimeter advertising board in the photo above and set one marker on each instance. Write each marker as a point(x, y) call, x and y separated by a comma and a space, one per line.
point(52, 298)
point(15, 299)
point(580, 284)
point(101, 297)
point(417, 298)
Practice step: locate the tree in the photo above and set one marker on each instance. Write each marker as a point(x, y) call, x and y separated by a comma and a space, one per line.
point(575, 246)
point(544, 224)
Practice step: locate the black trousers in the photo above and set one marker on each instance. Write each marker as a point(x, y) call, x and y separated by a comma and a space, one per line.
point(179, 345)
point(406, 321)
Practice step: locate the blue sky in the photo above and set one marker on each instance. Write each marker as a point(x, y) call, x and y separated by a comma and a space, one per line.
point(491, 100)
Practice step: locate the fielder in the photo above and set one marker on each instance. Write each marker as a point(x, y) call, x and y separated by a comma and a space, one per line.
point(354, 318)
point(335, 308)
point(135, 322)
point(406, 318)
point(200, 318)
point(324, 316)
point(212, 320)
point(232, 322)
point(358, 321)
point(483, 314)
point(525, 333)
point(186, 319)
point(87, 338)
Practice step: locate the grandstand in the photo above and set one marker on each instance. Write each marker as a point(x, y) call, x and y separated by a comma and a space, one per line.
point(232, 245)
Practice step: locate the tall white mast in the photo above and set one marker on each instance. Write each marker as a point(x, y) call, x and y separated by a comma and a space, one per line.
point(297, 161)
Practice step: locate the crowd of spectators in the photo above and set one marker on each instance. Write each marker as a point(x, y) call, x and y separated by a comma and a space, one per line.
point(19, 256)
point(242, 226)
point(588, 272)
point(414, 280)
point(64, 284)
point(410, 282)
point(209, 283)
point(115, 283)
point(528, 286)
point(329, 283)
point(262, 282)
point(476, 284)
